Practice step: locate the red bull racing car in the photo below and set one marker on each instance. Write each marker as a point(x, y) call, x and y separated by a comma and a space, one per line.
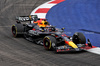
point(52, 38)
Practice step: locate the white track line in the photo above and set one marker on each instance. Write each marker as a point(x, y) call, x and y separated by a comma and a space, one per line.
point(94, 50)
point(45, 5)
point(43, 15)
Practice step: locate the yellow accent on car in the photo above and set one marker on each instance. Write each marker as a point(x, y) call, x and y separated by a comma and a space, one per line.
point(73, 44)
point(43, 24)
point(50, 42)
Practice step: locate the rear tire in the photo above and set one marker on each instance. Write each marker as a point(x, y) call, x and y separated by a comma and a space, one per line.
point(49, 42)
point(79, 38)
point(17, 30)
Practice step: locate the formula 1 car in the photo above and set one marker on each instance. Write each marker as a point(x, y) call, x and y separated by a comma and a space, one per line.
point(52, 38)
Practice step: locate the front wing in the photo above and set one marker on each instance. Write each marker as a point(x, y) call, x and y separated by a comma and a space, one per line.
point(69, 48)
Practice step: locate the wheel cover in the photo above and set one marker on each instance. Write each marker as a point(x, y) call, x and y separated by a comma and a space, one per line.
point(14, 31)
point(47, 43)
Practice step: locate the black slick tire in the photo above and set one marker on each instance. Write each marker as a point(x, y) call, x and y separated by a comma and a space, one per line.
point(17, 30)
point(79, 38)
point(49, 42)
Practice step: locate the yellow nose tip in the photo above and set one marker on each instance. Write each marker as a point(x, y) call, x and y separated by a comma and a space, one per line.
point(72, 44)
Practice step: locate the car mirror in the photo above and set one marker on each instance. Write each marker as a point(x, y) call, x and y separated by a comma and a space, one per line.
point(62, 28)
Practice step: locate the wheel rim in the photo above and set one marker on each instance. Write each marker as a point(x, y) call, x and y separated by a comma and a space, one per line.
point(14, 31)
point(46, 43)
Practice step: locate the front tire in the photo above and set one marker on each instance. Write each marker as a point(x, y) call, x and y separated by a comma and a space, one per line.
point(49, 42)
point(79, 38)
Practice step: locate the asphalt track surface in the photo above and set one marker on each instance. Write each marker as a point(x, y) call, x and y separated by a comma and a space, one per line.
point(20, 52)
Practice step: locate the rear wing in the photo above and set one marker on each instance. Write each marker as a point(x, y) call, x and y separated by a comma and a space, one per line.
point(27, 18)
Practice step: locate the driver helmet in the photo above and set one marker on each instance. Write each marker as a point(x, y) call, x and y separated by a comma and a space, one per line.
point(43, 23)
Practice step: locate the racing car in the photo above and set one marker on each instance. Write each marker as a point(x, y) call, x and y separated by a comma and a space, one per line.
point(41, 32)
